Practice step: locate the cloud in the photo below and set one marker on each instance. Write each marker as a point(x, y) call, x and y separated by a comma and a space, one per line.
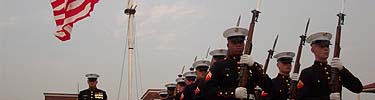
point(157, 20)
point(165, 22)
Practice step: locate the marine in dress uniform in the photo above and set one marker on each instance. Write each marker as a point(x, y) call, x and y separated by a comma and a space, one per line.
point(223, 77)
point(281, 83)
point(201, 67)
point(171, 90)
point(314, 81)
point(163, 95)
point(217, 56)
point(92, 93)
point(180, 87)
point(190, 79)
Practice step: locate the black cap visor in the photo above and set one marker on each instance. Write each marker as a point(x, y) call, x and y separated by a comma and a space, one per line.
point(236, 39)
point(181, 83)
point(285, 60)
point(171, 88)
point(202, 68)
point(218, 57)
point(322, 43)
point(92, 79)
point(190, 78)
point(163, 95)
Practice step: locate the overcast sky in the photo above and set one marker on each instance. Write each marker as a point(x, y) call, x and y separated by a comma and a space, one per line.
point(169, 34)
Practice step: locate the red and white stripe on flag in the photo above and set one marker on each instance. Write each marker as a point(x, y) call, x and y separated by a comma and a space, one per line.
point(67, 12)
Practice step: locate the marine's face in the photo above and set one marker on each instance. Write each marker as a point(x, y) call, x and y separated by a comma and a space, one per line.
point(170, 91)
point(235, 46)
point(201, 74)
point(320, 51)
point(180, 88)
point(92, 83)
point(189, 80)
point(217, 59)
point(284, 67)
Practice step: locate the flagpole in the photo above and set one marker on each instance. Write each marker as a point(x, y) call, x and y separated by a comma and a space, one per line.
point(130, 11)
point(78, 87)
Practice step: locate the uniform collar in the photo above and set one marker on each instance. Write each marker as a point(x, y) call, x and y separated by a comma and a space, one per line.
point(320, 63)
point(283, 76)
point(92, 89)
point(234, 58)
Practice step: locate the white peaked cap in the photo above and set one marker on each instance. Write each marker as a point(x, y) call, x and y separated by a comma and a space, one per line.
point(170, 85)
point(219, 52)
point(319, 36)
point(190, 73)
point(180, 79)
point(203, 62)
point(92, 75)
point(284, 55)
point(235, 31)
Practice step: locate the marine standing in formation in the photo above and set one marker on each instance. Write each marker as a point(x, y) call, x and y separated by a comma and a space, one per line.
point(222, 79)
point(281, 83)
point(201, 67)
point(171, 90)
point(217, 56)
point(180, 87)
point(163, 95)
point(190, 79)
point(314, 81)
point(92, 93)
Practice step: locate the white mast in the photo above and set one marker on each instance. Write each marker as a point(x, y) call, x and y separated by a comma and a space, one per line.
point(130, 11)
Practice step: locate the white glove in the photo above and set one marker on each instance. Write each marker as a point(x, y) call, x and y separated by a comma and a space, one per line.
point(241, 93)
point(246, 59)
point(334, 96)
point(336, 63)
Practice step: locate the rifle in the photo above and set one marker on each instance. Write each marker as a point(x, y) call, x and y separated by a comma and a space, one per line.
point(258, 90)
point(270, 54)
point(297, 65)
point(180, 76)
point(244, 70)
point(183, 69)
point(208, 51)
point(334, 83)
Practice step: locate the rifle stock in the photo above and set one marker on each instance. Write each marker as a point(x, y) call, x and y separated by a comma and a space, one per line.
point(244, 73)
point(244, 69)
point(334, 83)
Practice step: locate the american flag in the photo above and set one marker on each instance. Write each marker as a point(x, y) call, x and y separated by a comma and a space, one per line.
point(67, 12)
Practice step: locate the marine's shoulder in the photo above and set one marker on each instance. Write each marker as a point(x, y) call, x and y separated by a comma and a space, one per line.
point(100, 90)
point(308, 69)
point(219, 65)
point(305, 73)
point(275, 79)
point(85, 90)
